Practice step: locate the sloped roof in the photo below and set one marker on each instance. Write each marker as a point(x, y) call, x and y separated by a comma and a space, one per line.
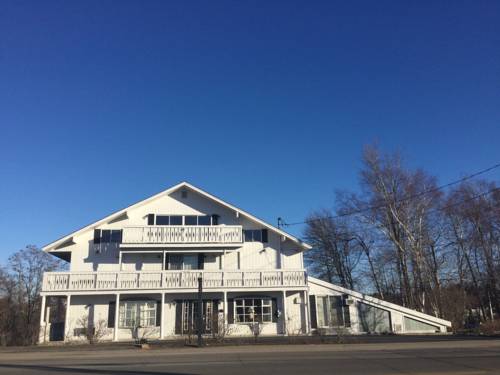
point(380, 303)
point(168, 191)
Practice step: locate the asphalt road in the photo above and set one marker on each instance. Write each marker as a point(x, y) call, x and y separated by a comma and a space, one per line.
point(453, 357)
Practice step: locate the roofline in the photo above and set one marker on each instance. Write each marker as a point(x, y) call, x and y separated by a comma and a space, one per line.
point(380, 302)
point(168, 191)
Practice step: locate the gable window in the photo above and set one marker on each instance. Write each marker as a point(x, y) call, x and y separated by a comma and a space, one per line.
point(107, 236)
point(137, 314)
point(168, 220)
point(256, 235)
point(253, 310)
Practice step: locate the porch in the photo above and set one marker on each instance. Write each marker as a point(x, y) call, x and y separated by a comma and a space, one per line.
point(131, 316)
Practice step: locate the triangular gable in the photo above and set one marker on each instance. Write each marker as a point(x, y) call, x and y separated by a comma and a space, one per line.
point(123, 212)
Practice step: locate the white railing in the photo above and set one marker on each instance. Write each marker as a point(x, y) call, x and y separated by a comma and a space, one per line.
point(100, 281)
point(178, 234)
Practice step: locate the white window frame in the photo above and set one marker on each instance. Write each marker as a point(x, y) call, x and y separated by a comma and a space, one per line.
point(134, 314)
point(250, 316)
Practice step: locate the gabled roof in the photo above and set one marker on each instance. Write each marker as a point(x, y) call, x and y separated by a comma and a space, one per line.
point(168, 191)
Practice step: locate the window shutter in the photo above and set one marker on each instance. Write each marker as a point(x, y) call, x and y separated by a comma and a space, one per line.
point(312, 309)
point(201, 261)
point(230, 311)
point(264, 236)
point(111, 314)
point(158, 313)
point(274, 302)
point(178, 317)
point(151, 219)
point(97, 236)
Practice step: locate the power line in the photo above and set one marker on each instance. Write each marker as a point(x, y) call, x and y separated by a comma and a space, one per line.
point(410, 197)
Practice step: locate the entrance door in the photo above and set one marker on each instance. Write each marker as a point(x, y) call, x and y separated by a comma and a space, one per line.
point(187, 315)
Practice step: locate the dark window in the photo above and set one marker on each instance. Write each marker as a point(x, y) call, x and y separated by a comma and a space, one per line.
point(248, 235)
point(175, 220)
point(151, 219)
point(264, 236)
point(215, 219)
point(256, 235)
point(116, 236)
point(203, 220)
point(106, 236)
point(162, 220)
point(109, 236)
point(190, 220)
point(97, 236)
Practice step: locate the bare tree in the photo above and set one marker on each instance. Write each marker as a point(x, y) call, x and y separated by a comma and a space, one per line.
point(20, 286)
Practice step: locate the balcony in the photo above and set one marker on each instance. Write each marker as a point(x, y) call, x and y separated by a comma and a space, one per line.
point(165, 280)
point(183, 235)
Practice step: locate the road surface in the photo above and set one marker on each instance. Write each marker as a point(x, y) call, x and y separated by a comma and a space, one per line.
point(431, 358)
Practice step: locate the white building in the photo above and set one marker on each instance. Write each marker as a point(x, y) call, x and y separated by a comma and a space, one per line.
point(136, 272)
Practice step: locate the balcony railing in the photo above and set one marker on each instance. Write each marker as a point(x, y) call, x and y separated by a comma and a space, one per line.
point(146, 280)
point(183, 234)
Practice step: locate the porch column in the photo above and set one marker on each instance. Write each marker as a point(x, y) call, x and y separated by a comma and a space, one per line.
point(306, 311)
point(42, 311)
point(43, 324)
point(67, 321)
point(162, 315)
point(284, 312)
point(117, 316)
point(225, 310)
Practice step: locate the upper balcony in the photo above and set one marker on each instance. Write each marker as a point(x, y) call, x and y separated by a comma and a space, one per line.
point(160, 235)
point(128, 281)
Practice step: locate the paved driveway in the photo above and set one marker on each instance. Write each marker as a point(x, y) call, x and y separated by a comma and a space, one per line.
point(453, 357)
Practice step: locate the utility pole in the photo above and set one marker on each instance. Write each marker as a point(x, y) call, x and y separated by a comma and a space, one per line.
point(200, 312)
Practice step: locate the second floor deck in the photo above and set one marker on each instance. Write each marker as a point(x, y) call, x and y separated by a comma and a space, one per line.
point(63, 282)
point(183, 234)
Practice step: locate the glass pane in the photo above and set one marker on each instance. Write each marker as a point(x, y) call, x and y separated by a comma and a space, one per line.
point(175, 220)
point(257, 235)
point(106, 236)
point(203, 220)
point(116, 236)
point(190, 262)
point(162, 220)
point(248, 235)
point(175, 262)
point(190, 220)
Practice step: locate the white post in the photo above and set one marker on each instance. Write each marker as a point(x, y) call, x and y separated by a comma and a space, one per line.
point(120, 261)
point(117, 316)
point(43, 325)
point(67, 321)
point(42, 311)
point(284, 312)
point(162, 315)
point(306, 311)
point(225, 309)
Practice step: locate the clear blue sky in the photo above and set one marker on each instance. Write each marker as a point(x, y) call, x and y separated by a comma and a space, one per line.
point(266, 104)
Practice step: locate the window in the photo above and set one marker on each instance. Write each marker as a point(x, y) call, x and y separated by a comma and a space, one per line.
point(374, 319)
point(256, 235)
point(137, 314)
point(412, 325)
point(204, 220)
point(162, 220)
point(250, 310)
point(107, 236)
point(177, 219)
point(331, 312)
point(183, 262)
point(190, 220)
